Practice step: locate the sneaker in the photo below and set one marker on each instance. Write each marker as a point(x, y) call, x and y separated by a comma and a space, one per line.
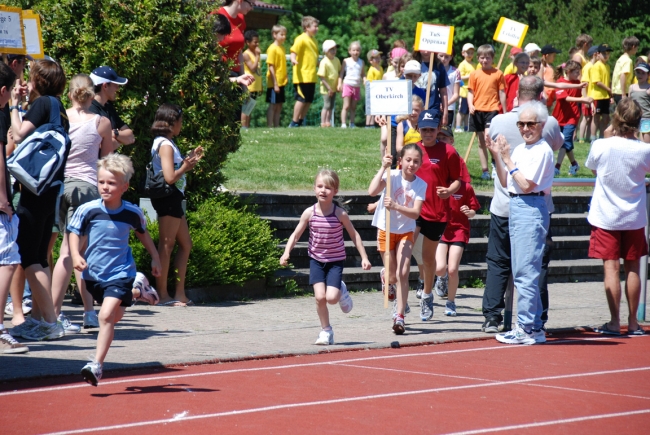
point(557, 172)
point(442, 284)
point(9, 308)
point(9, 345)
point(485, 175)
point(398, 325)
point(25, 327)
point(517, 336)
point(92, 372)
point(147, 293)
point(573, 170)
point(325, 338)
point(68, 327)
point(27, 306)
point(420, 289)
point(407, 309)
point(426, 307)
point(293, 124)
point(450, 308)
point(392, 289)
point(45, 332)
point(91, 320)
point(491, 326)
point(494, 172)
point(352, 125)
point(539, 336)
point(459, 130)
point(344, 126)
point(345, 301)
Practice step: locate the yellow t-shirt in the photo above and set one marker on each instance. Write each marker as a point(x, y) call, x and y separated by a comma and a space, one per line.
point(307, 55)
point(624, 64)
point(276, 56)
point(599, 73)
point(374, 73)
point(329, 69)
point(583, 59)
point(584, 76)
point(257, 84)
point(510, 69)
point(411, 136)
point(465, 68)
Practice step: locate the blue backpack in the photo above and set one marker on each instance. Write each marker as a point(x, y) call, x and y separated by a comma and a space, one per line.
point(38, 162)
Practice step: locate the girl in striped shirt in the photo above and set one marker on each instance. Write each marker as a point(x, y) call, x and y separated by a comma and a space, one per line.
point(326, 249)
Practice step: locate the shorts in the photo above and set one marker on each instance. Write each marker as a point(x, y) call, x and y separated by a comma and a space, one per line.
point(328, 102)
point(459, 244)
point(612, 245)
point(351, 91)
point(171, 205)
point(602, 106)
point(450, 118)
point(645, 125)
point(273, 97)
point(120, 288)
point(330, 273)
point(617, 98)
point(568, 131)
point(479, 121)
point(75, 193)
point(464, 106)
point(254, 95)
point(455, 234)
point(304, 92)
point(36, 214)
point(586, 110)
point(8, 236)
point(395, 239)
point(431, 230)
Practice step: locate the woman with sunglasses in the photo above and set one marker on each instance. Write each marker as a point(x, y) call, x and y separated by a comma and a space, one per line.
point(527, 174)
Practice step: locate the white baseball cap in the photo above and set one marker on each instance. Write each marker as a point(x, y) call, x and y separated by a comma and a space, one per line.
point(328, 45)
point(529, 48)
point(468, 46)
point(412, 67)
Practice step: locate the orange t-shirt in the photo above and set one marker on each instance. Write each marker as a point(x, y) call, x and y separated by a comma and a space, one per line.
point(485, 85)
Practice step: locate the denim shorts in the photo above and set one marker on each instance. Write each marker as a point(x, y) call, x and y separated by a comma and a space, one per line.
point(568, 131)
point(329, 273)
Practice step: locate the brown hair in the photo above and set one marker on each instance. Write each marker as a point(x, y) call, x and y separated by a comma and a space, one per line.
point(583, 40)
point(402, 61)
point(627, 117)
point(399, 43)
point(630, 42)
point(166, 116)
point(571, 65)
point(536, 61)
point(485, 49)
point(307, 21)
point(81, 89)
point(48, 77)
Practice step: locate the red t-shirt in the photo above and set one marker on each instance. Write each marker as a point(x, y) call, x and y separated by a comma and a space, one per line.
point(567, 112)
point(464, 173)
point(512, 85)
point(457, 229)
point(440, 167)
point(233, 43)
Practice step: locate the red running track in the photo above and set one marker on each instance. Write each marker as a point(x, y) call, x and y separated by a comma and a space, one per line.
point(577, 384)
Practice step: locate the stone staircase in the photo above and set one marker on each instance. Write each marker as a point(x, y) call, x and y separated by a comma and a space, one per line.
point(569, 225)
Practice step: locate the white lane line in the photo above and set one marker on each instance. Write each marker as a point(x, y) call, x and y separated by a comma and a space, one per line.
point(552, 422)
point(412, 372)
point(344, 400)
point(579, 390)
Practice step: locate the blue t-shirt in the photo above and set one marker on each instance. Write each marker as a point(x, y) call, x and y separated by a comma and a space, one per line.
point(108, 254)
point(439, 81)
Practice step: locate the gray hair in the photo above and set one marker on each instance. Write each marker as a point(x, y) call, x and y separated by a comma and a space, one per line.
point(530, 88)
point(538, 109)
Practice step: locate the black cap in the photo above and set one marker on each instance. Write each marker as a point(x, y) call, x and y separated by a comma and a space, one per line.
point(447, 131)
point(106, 74)
point(548, 49)
point(604, 47)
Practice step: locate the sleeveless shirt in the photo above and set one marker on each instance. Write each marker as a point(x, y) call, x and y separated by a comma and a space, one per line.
point(326, 237)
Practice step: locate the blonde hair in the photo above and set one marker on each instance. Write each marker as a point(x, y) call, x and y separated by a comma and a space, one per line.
point(414, 99)
point(81, 89)
point(353, 43)
point(117, 164)
point(277, 29)
point(329, 177)
point(307, 21)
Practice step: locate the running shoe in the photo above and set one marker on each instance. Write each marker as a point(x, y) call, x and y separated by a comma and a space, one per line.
point(450, 308)
point(147, 293)
point(392, 289)
point(442, 285)
point(557, 172)
point(9, 345)
point(345, 301)
point(540, 336)
point(398, 325)
point(420, 289)
point(426, 307)
point(68, 326)
point(92, 372)
point(91, 320)
point(490, 326)
point(45, 332)
point(485, 175)
point(407, 309)
point(573, 170)
point(517, 336)
point(27, 307)
point(325, 338)
point(25, 327)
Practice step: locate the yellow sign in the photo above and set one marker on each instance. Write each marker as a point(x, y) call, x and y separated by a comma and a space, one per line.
point(33, 34)
point(510, 32)
point(12, 37)
point(434, 38)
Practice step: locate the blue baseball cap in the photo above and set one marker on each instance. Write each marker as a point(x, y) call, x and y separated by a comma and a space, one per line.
point(592, 50)
point(429, 118)
point(106, 74)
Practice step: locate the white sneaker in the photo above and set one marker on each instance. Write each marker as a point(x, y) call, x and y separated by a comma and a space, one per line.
point(325, 338)
point(68, 327)
point(345, 301)
point(147, 293)
point(344, 126)
point(517, 336)
point(92, 372)
point(9, 345)
point(540, 336)
point(91, 320)
point(45, 332)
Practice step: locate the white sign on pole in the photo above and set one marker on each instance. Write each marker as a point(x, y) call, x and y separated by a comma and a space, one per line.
point(510, 32)
point(33, 36)
point(12, 39)
point(434, 38)
point(388, 97)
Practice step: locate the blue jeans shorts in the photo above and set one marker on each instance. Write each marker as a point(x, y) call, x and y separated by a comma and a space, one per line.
point(329, 273)
point(568, 132)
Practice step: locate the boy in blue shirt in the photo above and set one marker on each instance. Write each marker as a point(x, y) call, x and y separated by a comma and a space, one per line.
point(108, 267)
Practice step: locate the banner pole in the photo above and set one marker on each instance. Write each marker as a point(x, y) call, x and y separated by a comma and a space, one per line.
point(503, 53)
point(429, 76)
point(387, 244)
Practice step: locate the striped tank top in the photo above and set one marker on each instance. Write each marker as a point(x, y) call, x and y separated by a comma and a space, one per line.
point(326, 238)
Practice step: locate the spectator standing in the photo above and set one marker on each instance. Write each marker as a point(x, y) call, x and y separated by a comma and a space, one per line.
point(640, 92)
point(587, 126)
point(465, 68)
point(601, 92)
point(252, 67)
point(350, 80)
point(624, 69)
point(233, 43)
point(276, 76)
point(329, 70)
point(375, 72)
point(304, 58)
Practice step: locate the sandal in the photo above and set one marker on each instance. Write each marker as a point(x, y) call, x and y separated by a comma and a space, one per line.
point(638, 331)
point(606, 331)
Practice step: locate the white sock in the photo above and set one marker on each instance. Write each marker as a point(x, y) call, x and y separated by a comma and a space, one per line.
point(427, 296)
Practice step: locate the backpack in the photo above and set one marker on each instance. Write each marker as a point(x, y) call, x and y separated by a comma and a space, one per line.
point(38, 162)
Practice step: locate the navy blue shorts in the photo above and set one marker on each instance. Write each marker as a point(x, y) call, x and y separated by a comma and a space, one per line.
point(118, 288)
point(464, 106)
point(329, 273)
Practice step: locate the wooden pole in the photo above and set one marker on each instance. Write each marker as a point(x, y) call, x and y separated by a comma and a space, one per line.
point(387, 253)
point(503, 53)
point(469, 148)
point(429, 76)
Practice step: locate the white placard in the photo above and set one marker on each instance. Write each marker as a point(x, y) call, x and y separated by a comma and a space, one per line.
point(12, 39)
point(33, 36)
point(510, 32)
point(388, 97)
point(434, 38)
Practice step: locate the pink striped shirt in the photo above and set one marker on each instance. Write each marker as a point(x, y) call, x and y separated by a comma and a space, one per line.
point(326, 238)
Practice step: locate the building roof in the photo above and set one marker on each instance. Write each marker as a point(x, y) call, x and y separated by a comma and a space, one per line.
point(262, 7)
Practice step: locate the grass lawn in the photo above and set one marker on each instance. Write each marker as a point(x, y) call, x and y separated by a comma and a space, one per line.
point(288, 159)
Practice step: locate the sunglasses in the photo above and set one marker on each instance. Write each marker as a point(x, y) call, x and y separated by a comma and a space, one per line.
point(529, 124)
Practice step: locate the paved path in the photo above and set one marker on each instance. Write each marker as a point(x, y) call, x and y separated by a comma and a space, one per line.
point(156, 336)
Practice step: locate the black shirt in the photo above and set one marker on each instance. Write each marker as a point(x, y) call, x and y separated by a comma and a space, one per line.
point(4, 127)
point(39, 113)
point(107, 111)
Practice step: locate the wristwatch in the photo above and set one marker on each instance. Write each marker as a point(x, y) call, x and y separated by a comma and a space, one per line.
point(116, 132)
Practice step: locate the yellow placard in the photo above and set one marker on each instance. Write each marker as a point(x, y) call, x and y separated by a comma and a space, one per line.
point(435, 38)
point(12, 36)
point(510, 32)
point(33, 34)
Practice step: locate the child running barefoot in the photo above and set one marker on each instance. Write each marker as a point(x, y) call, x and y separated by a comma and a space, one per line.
point(404, 202)
point(326, 221)
point(108, 267)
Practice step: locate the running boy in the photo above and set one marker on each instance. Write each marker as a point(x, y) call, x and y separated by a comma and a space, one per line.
point(252, 67)
point(304, 57)
point(326, 221)
point(328, 73)
point(107, 264)
point(276, 76)
point(375, 72)
point(486, 90)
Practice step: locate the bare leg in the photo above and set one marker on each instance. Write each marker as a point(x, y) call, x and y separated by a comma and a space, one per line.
point(441, 259)
point(270, 116)
point(353, 110)
point(344, 111)
point(61, 275)
point(384, 140)
point(168, 228)
point(321, 304)
point(109, 315)
point(482, 151)
point(180, 260)
point(297, 111)
point(632, 291)
point(16, 290)
point(305, 110)
point(455, 254)
point(40, 281)
point(403, 267)
point(613, 292)
point(6, 273)
point(560, 155)
point(278, 113)
point(429, 248)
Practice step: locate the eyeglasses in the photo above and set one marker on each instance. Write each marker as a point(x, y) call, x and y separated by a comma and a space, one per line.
point(529, 124)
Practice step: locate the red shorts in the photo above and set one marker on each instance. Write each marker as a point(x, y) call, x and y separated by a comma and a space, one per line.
point(586, 110)
point(612, 245)
point(455, 235)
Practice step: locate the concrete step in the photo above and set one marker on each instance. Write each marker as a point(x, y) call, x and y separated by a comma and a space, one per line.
point(358, 279)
